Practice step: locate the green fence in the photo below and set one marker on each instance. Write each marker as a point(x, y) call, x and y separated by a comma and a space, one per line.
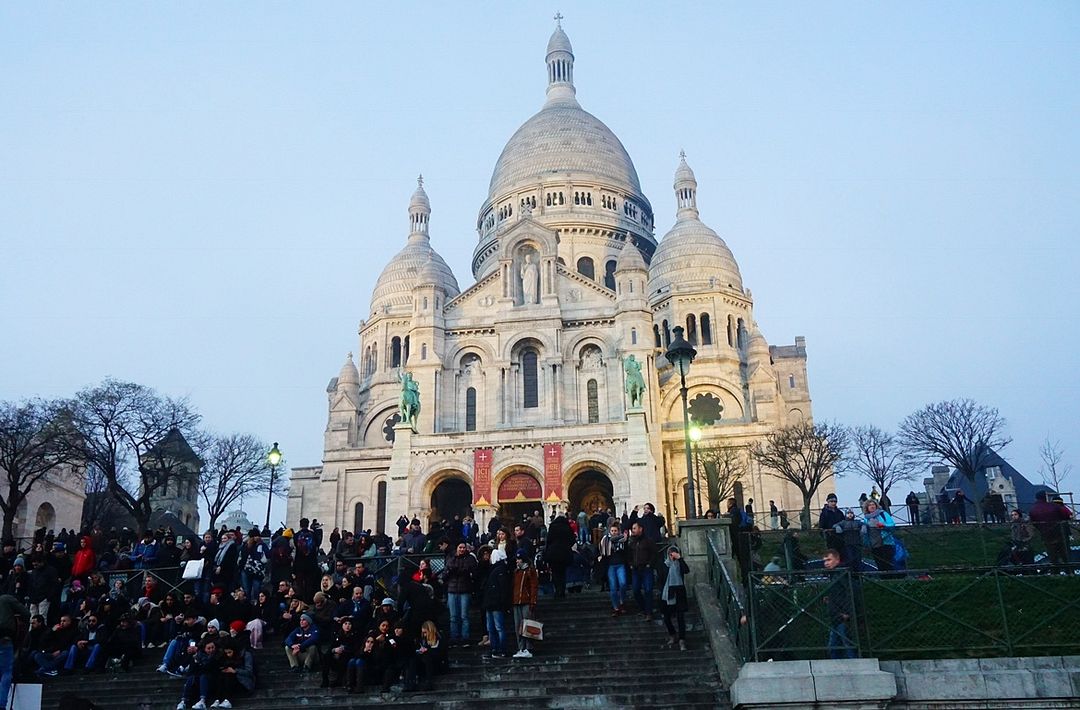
point(954, 613)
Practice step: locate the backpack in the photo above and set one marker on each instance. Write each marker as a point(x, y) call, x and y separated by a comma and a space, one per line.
point(305, 543)
point(280, 555)
point(746, 521)
point(255, 564)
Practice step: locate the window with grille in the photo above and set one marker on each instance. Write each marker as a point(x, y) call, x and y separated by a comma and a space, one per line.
point(529, 376)
point(470, 409)
point(594, 403)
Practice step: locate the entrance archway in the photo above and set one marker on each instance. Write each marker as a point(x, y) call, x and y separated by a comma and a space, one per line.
point(589, 491)
point(519, 495)
point(451, 497)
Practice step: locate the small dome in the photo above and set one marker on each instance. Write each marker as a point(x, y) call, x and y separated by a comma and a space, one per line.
point(419, 198)
point(349, 374)
point(683, 174)
point(693, 253)
point(429, 274)
point(402, 275)
point(757, 349)
point(630, 258)
point(559, 42)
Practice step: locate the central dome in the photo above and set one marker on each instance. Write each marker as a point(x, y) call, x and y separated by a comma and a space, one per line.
point(563, 139)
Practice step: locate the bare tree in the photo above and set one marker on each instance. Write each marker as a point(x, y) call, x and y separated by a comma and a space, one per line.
point(805, 455)
point(960, 432)
point(35, 447)
point(130, 432)
point(99, 506)
point(234, 466)
point(1053, 471)
point(723, 467)
point(878, 456)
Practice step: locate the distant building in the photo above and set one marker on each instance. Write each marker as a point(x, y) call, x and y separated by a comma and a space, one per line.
point(237, 519)
point(998, 476)
point(180, 494)
point(53, 503)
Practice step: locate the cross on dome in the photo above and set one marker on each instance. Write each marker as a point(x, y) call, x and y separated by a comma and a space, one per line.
point(558, 19)
point(420, 180)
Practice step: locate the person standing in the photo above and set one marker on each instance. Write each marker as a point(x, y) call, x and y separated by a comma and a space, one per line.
point(830, 516)
point(524, 597)
point(460, 578)
point(583, 526)
point(673, 597)
point(613, 552)
point(557, 553)
point(774, 515)
point(839, 605)
point(11, 612)
point(641, 551)
point(878, 536)
point(496, 600)
point(1052, 522)
point(960, 503)
point(912, 502)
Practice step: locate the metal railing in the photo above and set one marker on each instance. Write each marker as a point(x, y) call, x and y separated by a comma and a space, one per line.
point(957, 613)
point(730, 596)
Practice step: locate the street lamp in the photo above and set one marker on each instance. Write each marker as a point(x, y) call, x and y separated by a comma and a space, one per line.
point(680, 354)
point(273, 458)
point(695, 436)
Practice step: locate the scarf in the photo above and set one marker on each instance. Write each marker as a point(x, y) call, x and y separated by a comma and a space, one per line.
point(674, 579)
point(222, 551)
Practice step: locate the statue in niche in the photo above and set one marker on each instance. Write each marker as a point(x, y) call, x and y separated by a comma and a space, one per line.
point(530, 281)
point(635, 383)
point(409, 402)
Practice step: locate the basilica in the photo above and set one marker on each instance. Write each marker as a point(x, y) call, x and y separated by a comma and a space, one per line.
point(521, 377)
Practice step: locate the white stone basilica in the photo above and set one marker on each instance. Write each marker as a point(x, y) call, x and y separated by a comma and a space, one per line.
point(521, 375)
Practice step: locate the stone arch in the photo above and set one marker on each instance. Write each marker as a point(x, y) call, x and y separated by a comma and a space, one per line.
point(476, 347)
point(452, 496)
point(45, 517)
point(575, 463)
point(511, 511)
point(671, 402)
point(572, 349)
point(429, 479)
point(373, 425)
point(589, 490)
point(514, 345)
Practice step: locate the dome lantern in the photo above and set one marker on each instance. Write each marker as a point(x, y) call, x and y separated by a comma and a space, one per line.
point(560, 64)
point(685, 189)
point(419, 210)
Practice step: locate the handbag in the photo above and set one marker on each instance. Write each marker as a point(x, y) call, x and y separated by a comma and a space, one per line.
point(532, 629)
point(193, 569)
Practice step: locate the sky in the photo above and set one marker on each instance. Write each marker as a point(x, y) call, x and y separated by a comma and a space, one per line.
point(200, 196)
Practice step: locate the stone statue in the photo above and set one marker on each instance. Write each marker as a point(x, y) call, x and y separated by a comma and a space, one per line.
point(409, 402)
point(635, 383)
point(530, 277)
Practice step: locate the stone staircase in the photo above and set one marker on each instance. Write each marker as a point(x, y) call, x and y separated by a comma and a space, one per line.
point(587, 660)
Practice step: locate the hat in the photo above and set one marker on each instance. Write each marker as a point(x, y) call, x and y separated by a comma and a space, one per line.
point(287, 532)
point(309, 617)
point(20, 562)
point(59, 547)
point(522, 554)
point(76, 584)
point(237, 626)
point(387, 602)
point(831, 496)
point(217, 590)
point(215, 623)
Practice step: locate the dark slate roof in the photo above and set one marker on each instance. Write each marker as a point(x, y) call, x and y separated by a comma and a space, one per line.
point(175, 445)
point(1025, 489)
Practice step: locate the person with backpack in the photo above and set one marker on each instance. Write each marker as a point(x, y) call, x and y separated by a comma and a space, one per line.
point(305, 561)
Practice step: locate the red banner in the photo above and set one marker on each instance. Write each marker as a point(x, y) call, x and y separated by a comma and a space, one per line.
point(482, 476)
point(520, 488)
point(553, 472)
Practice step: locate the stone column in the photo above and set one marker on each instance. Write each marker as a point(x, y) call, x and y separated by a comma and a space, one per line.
point(397, 483)
point(640, 464)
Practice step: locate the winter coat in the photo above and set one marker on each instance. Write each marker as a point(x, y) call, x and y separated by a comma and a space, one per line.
point(497, 592)
point(526, 585)
point(85, 560)
point(460, 573)
point(559, 541)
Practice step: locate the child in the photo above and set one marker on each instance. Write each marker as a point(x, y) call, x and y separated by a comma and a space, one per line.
point(526, 584)
point(850, 531)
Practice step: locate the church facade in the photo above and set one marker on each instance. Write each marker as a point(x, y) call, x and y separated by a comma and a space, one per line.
point(522, 376)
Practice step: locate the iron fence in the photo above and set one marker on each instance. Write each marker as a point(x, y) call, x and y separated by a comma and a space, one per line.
point(945, 613)
point(730, 596)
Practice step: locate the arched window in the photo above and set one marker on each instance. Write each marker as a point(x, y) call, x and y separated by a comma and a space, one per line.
point(561, 200)
point(740, 333)
point(395, 352)
point(425, 303)
point(588, 198)
point(423, 351)
point(731, 331)
point(609, 274)
point(594, 402)
point(585, 267)
point(667, 334)
point(374, 357)
point(405, 351)
point(706, 329)
point(358, 518)
point(531, 394)
point(470, 409)
point(380, 507)
point(549, 199)
point(633, 336)
point(791, 381)
point(691, 329)
point(656, 336)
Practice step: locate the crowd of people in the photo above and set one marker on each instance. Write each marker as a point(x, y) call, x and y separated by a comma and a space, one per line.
point(336, 608)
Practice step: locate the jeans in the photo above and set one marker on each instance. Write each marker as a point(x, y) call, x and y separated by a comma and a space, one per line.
point(459, 615)
point(840, 646)
point(496, 627)
point(643, 588)
point(616, 577)
point(252, 584)
point(200, 679)
point(41, 607)
point(91, 658)
point(48, 662)
point(7, 665)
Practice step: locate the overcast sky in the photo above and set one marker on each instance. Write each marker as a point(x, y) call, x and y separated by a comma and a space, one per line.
point(200, 196)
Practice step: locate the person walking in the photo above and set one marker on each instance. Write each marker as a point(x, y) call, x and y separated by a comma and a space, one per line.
point(641, 552)
point(673, 597)
point(524, 598)
point(613, 552)
point(557, 553)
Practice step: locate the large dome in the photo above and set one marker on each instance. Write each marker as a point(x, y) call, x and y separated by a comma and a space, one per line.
point(563, 139)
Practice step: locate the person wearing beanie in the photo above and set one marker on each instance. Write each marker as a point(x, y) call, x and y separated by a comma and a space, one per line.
point(302, 645)
point(827, 520)
point(524, 597)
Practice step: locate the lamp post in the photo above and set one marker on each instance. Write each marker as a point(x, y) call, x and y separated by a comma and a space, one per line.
point(695, 436)
point(680, 354)
point(273, 458)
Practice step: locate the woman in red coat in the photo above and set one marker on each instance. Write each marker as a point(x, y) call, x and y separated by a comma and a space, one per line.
point(85, 560)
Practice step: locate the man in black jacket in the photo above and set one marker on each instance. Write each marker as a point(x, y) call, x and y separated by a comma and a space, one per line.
point(557, 553)
point(641, 552)
point(496, 602)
